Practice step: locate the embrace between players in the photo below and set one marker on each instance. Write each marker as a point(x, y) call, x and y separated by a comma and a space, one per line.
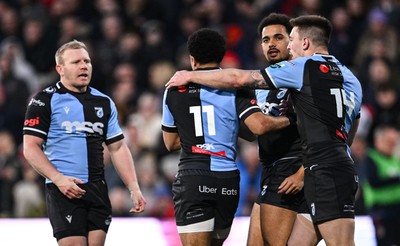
point(199, 108)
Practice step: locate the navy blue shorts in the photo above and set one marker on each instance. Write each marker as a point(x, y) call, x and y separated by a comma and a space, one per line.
point(272, 177)
point(330, 190)
point(76, 217)
point(201, 195)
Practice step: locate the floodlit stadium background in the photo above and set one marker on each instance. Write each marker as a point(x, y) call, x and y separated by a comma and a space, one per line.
point(143, 231)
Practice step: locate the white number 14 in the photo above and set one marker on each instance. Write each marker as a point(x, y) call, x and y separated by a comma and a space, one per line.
point(340, 97)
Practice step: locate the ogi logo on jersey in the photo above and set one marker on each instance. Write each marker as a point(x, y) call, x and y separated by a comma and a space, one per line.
point(85, 127)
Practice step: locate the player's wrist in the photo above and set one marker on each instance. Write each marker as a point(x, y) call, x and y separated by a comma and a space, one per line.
point(56, 177)
point(133, 187)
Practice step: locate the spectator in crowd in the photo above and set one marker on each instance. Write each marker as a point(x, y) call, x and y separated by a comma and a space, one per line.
point(382, 185)
point(15, 93)
point(386, 106)
point(28, 197)
point(377, 28)
point(10, 172)
point(124, 90)
point(147, 119)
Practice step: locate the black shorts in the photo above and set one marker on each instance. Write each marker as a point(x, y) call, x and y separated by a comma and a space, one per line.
point(201, 195)
point(272, 177)
point(76, 217)
point(330, 191)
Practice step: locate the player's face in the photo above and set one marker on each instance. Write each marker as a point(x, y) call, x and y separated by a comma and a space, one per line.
point(274, 42)
point(76, 70)
point(295, 44)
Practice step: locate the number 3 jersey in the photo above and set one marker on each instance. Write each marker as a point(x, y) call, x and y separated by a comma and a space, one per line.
point(207, 121)
point(74, 127)
point(327, 99)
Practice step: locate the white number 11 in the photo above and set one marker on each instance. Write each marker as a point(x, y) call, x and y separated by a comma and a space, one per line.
point(198, 126)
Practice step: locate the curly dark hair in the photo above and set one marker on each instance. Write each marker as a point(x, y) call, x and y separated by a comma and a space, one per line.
point(206, 45)
point(275, 19)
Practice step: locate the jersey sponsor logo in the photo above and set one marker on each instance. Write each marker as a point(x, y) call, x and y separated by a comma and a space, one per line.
point(312, 209)
point(37, 102)
point(49, 90)
point(85, 127)
point(69, 218)
point(206, 189)
point(99, 112)
point(206, 146)
point(197, 212)
point(229, 192)
point(108, 220)
point(348, 208)
point(66, 109)
point(264, 190)
point(182, 88)
point(277, 65)
point(198, 150)
point(281, 93)
point(31, 122)
point(323, 68)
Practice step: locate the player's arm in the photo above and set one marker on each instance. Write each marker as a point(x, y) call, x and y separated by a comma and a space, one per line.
point(124, 165)
point(172, 141)
point(259, 123)
point(35, 156)
point(230, 78)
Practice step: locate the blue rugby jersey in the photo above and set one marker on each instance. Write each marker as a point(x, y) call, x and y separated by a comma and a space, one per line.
point(207, 121)
point(279, 144)
point(74, 127)
point(327, 98)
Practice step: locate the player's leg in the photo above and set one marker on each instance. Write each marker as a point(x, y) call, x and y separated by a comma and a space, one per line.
point(68, 217)
point(194, 192)
point(97, 238)
point(218, 236)
point(276, 224)
point(330, 193)
point(338, 231)
point(254, 237)
point(304, 232)
point(72, 241)
point(226, 204)
point(100, 213)
point(195, 238)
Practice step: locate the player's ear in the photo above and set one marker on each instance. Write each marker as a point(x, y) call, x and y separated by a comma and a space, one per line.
point(59, 69)
point(306, 43)
point(194, 64)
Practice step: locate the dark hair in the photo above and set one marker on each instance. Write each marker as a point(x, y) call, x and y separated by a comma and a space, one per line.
point(206, 45)
point(275, 19)
point(315, 27)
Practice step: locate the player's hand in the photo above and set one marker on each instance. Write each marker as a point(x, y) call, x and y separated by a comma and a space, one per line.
point(292, 184)
point(69, 186)
point(180, 78)
point(138, 200)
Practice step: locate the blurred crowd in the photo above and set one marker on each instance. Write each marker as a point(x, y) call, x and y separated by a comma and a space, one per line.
point(137, 45)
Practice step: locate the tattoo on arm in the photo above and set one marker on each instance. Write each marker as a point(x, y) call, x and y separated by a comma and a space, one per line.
point(257, 82)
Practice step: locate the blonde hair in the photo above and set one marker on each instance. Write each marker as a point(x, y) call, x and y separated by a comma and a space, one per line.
point(74, 44)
